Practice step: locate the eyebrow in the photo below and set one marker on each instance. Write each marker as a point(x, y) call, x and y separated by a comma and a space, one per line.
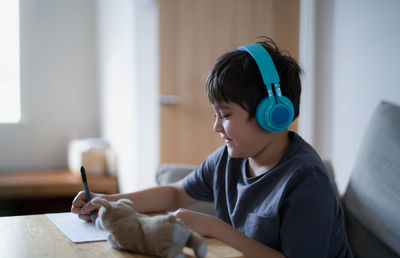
point(219, 106)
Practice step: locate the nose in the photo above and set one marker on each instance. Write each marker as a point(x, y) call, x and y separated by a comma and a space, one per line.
point(217, 125)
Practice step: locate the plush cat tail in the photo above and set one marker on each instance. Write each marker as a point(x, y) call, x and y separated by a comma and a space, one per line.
point(101, 202)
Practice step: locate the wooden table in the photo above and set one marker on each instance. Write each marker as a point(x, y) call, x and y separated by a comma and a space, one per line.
point(36, 236)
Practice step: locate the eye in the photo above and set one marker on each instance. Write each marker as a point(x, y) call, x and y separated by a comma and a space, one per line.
point(224, 116)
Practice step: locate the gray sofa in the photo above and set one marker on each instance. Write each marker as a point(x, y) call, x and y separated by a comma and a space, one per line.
point(372, 199)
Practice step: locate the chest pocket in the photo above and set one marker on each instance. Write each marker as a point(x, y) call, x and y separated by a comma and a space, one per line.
point(263, 229)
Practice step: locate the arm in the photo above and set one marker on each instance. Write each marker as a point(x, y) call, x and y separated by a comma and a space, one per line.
point(159, 198)
point(207, 225)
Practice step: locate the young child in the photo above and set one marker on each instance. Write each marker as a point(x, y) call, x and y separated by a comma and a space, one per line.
point(271, 191)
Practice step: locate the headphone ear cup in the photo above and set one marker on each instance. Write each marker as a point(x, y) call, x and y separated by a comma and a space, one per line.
point(263, 112)
point(275, 117)
point(289, 105)
point(282, 115)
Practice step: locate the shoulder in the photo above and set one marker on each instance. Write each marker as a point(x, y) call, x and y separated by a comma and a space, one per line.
point(303, 158)
point(306, 167)
point(300, 149)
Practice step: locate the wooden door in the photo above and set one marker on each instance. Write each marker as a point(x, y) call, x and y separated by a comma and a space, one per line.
point(193, 34)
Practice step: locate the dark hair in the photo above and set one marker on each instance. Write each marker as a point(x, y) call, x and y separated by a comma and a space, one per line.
point(235, 77)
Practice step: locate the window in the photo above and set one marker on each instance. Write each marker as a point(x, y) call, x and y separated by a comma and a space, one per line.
point(10, 106)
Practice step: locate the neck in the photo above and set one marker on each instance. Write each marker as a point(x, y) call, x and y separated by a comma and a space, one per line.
point(268, 157)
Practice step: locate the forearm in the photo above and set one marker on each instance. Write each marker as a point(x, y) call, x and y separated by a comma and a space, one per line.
point(249, 247)
point(160, 198)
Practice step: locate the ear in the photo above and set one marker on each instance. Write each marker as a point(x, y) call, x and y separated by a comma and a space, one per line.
point(101, 202)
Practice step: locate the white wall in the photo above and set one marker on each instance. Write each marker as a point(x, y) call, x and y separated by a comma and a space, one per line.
point(89, 69)
point(128, 79)
point(355, 67)
point(58, 84)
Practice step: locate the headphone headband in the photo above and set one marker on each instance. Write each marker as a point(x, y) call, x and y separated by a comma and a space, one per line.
point(264, 63)
point(274, 112)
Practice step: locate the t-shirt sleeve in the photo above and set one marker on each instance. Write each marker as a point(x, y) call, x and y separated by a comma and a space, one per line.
point(307, 215)
point(199, 183)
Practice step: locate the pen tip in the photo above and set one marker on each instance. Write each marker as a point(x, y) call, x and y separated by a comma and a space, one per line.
point(82, 169)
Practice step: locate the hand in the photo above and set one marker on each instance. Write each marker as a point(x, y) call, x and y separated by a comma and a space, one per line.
point(196, 221)
point(81, 207)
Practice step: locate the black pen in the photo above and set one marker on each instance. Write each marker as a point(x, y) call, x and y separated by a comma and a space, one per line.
point(85, 185)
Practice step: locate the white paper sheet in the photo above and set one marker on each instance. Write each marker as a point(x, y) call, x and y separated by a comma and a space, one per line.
point(76, 229)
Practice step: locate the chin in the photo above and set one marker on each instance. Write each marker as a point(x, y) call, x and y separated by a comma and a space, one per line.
point(234, 154)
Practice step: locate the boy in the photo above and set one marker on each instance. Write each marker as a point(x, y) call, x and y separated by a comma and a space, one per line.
point(271, 191)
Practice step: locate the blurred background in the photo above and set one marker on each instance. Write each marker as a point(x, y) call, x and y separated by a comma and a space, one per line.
point(132, 73)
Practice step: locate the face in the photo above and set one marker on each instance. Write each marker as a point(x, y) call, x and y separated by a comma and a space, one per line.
point(243, 136)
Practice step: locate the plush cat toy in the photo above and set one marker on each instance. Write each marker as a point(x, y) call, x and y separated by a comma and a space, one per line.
point(160, 235)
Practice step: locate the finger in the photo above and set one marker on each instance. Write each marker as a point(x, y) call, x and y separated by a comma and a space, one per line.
point(80, 195)
point(85, 217)
point(88, 207)
point(75, 210)
point(79, 200)
point(77, 205)
point(179, 213)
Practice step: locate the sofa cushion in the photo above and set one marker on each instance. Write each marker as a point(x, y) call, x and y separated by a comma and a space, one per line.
point(364, 243)
point(372, 198)
point(168, 173)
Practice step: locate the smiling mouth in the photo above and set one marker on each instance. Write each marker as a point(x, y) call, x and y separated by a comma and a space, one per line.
point(227, 140)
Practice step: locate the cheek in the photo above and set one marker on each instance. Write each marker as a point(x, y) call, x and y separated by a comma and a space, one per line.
point(246, 131)
point(255, 127)
point(237, 134)
point(251, 133)
point(230, 129)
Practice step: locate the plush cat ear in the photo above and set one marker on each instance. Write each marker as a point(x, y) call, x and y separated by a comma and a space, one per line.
point(126, 202)
point(101, 202)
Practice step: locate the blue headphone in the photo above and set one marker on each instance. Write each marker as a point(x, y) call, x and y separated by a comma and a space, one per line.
point(275, 112)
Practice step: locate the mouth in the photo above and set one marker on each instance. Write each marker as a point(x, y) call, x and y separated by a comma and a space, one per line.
point(226, 139)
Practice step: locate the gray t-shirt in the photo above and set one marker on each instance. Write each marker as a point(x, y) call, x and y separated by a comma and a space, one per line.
point(291, 208)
